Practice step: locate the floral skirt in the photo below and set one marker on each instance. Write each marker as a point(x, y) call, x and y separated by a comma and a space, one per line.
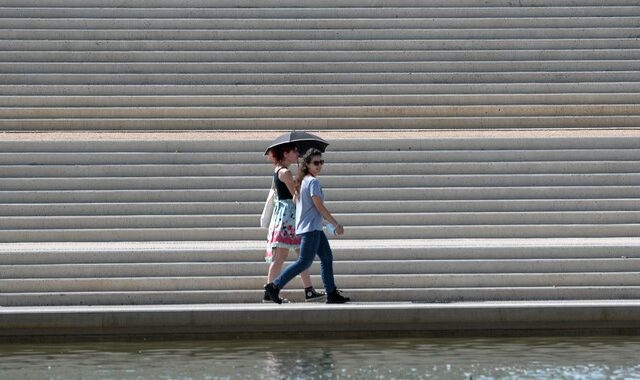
point(282, 229)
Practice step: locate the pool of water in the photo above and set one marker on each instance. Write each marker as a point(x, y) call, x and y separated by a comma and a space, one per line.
point(402, 358)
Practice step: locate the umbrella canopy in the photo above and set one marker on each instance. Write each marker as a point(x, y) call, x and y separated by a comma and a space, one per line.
point(303, 140)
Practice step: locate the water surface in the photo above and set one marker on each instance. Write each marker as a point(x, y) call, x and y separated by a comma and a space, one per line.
point(432, 358)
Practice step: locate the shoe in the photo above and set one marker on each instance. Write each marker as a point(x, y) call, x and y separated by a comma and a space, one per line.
point(273, 292)
point(337, 297)
point(312, 295)
point(267, 299)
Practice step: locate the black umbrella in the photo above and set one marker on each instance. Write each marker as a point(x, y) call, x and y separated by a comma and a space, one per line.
point(303, 140)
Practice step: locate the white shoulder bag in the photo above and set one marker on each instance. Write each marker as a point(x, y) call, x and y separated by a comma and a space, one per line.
point(269, 205)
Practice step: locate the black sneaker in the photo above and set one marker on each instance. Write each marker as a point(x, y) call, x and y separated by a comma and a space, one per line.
point(267, 299)
point(312, 295)
point(272, 292)
point(337, 297)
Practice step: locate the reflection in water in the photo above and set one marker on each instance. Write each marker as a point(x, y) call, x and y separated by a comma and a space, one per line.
point(504, 358)
point(302, 363)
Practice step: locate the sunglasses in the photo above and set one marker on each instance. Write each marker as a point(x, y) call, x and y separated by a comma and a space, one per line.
point(318, 163)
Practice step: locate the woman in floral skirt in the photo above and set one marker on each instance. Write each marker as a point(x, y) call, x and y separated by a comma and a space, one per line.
point(281, 237)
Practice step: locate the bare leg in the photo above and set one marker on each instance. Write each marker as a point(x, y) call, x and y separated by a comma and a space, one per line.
point(305, 276)
point(306, 279)
point(279, 255)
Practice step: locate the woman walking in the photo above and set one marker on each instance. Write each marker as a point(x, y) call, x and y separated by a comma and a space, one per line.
point(281, 236)
point(310, 211)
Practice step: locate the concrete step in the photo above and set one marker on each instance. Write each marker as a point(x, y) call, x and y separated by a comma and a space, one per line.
point(345, 250)
point(404, 77)
point(374, 282)
point(331, 169)
point(292, 67)
point(332, 56)
point(319, 100)
point(400, 124)
point(243, 20)
point(362, 182)
point(418, 267)
point(319, 112)
point(424, 31)
point(321, 11)
point(361, 295)
point(255, 148)
point(380, 21)
point(294, 44)
point(335, 194)
point(354, 232)
point(253, 157)
point(527, 87)
point(307, 3)
point(350, 220)
point(254, 208)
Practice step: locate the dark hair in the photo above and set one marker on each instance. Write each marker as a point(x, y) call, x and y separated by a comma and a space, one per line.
point(303, 166)
point(276, 154)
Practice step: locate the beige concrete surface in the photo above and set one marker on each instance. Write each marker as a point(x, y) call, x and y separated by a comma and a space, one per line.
point(356, 320)
point(265, 135)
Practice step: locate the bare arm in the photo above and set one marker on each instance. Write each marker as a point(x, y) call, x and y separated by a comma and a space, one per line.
point(317, 201)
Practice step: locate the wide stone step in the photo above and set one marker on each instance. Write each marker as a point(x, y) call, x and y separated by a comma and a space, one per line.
point(331, 169)
point(340, 267)
point(361, 295)
point(281, 21)
point(335, 194)
point(358, 233)
point(527, 87)
point(305, 3)
point(320, 112)
point(330, 56)
point(317, 12)
point(239, 78)
point(254, 208)
point(387, 282)
point(322, 123)
point(293, 44)
point(321, 100)
point(350, 220)
point(255, 148)
point(424, 31)
point(362, 182)
point(345, 250)
point(317, 67)
point(253, 157)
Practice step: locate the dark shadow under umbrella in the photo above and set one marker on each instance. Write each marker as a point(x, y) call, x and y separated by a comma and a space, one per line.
point(303, 140)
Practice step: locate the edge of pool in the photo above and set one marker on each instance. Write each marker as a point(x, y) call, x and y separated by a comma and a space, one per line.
point(299, 320)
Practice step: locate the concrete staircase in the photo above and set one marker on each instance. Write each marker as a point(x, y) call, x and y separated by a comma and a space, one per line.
point(302, 64)
point(153, 222)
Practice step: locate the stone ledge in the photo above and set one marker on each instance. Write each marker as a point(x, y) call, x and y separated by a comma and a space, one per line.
point(250, 321)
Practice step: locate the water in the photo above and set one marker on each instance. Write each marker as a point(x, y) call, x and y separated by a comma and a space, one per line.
point(433, 358)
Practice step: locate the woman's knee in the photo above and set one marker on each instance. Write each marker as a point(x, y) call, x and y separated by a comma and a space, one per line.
point(279, 255)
